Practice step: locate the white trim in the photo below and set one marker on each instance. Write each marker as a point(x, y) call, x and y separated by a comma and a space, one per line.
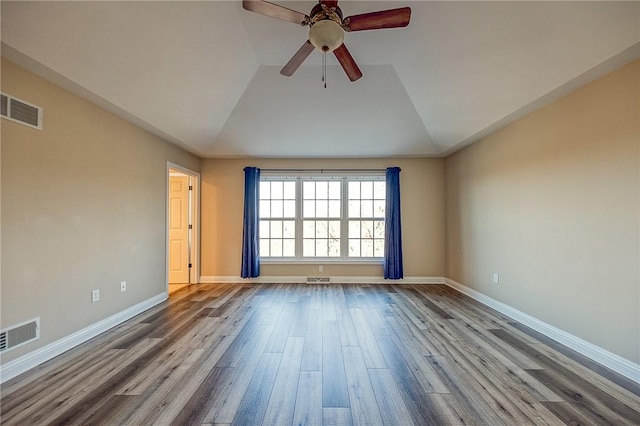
point(19, 365)
point(262, 279)
point(194, 272)
point(608, 359)
point(321, 261)
point(334, 279)
point(382, 280)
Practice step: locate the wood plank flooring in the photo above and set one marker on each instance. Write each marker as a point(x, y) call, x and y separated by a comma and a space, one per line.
point(298, 354)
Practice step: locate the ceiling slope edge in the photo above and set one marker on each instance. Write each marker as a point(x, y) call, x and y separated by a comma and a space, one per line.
point(55, 77)
point(617, 61)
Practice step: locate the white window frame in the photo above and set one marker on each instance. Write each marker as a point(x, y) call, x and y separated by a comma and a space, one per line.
point(344, 178)
point(295, 218)
point(372, 218)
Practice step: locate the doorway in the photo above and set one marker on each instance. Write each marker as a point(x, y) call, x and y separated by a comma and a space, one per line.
point(182, 233)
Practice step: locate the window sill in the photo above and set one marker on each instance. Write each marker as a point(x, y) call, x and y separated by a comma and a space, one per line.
point(323, 261)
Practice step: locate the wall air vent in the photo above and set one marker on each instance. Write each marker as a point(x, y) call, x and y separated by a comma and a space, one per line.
point(19, 334)
point(22, 112)
point(318, 280)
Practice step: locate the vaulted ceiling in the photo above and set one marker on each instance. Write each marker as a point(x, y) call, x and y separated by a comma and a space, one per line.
point(206, 75)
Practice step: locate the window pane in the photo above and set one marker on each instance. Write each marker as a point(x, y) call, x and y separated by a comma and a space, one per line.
point(308, 247)
point(334, 208)
point(321, 229)
point(265, 190)
point(289, 229)
point(367, 229)
point(309, 208)
point(264, 229)
point(378, 231)
point(354, 190)
point(289, 190)
point(366, 190)
point(334, 247)
point(276, 248)
point(334, 190)
point(265, 208)
point(366, 208)
point(322, 208)
point(379, 191)
point(321, 248)
point(308, 229)
point(276, 229)
point(289, 208)
point(309, 190)
point(276, 208)
point(276, 190)
point(354, 208)
point(322, 190)
point(378, 248)
point(354, 248)
point(288, 248)
point(264, 247)
point(354, 229)
point(366, 248)
point(334, 229)
point(378, 208)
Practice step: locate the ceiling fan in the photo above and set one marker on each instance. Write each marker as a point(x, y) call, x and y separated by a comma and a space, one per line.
point(327, 29)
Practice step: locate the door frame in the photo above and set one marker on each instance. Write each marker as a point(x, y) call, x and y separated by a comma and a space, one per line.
point(194, 218)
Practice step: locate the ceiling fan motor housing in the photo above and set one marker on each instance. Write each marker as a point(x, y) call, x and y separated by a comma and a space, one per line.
point(326, 32)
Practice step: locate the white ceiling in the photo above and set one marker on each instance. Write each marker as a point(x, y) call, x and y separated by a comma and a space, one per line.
point(205, 75)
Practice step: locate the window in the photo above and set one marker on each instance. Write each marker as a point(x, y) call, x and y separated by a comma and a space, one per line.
point(321, 212)
point(332, 218)
point(366, 218)
point(277, 218)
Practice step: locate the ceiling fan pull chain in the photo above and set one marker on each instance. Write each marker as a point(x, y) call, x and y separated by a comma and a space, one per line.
point(324, 68)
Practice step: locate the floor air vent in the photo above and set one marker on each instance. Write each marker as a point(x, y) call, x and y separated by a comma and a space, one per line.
point(318, 280)
point(20, 111)
point(19, 334)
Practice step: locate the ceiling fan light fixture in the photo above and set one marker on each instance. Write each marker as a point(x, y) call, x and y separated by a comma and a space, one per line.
point(326, 35)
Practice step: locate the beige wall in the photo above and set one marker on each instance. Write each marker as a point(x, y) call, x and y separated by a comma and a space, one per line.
point(551, 203)
point(83, 208)
point(422, 198)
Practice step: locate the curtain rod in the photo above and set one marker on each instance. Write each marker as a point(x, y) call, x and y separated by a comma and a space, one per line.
point(323, 170)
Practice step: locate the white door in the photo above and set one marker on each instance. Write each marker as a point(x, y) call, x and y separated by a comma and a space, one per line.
point(178, 229)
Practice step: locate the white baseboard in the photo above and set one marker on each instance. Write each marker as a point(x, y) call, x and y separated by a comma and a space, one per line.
point(334, 279)
point(261, 279)
point(610, 360)
point(32, 359)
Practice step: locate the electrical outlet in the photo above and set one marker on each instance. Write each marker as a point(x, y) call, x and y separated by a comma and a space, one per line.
point(95, 296)
point(496, 278)
point(320, 268)
point(123, 286)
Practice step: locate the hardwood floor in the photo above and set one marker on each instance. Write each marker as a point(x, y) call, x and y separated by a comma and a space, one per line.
point(221, 354)
point(176, 287)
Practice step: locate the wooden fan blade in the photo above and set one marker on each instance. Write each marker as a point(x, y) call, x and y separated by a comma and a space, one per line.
point(297, 59)
point(329, 3)
point(275, 11)
point(348, 64)
point(392, 18)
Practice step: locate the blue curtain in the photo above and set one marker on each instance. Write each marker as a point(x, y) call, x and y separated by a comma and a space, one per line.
point(250, 236)
point(393, 233)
